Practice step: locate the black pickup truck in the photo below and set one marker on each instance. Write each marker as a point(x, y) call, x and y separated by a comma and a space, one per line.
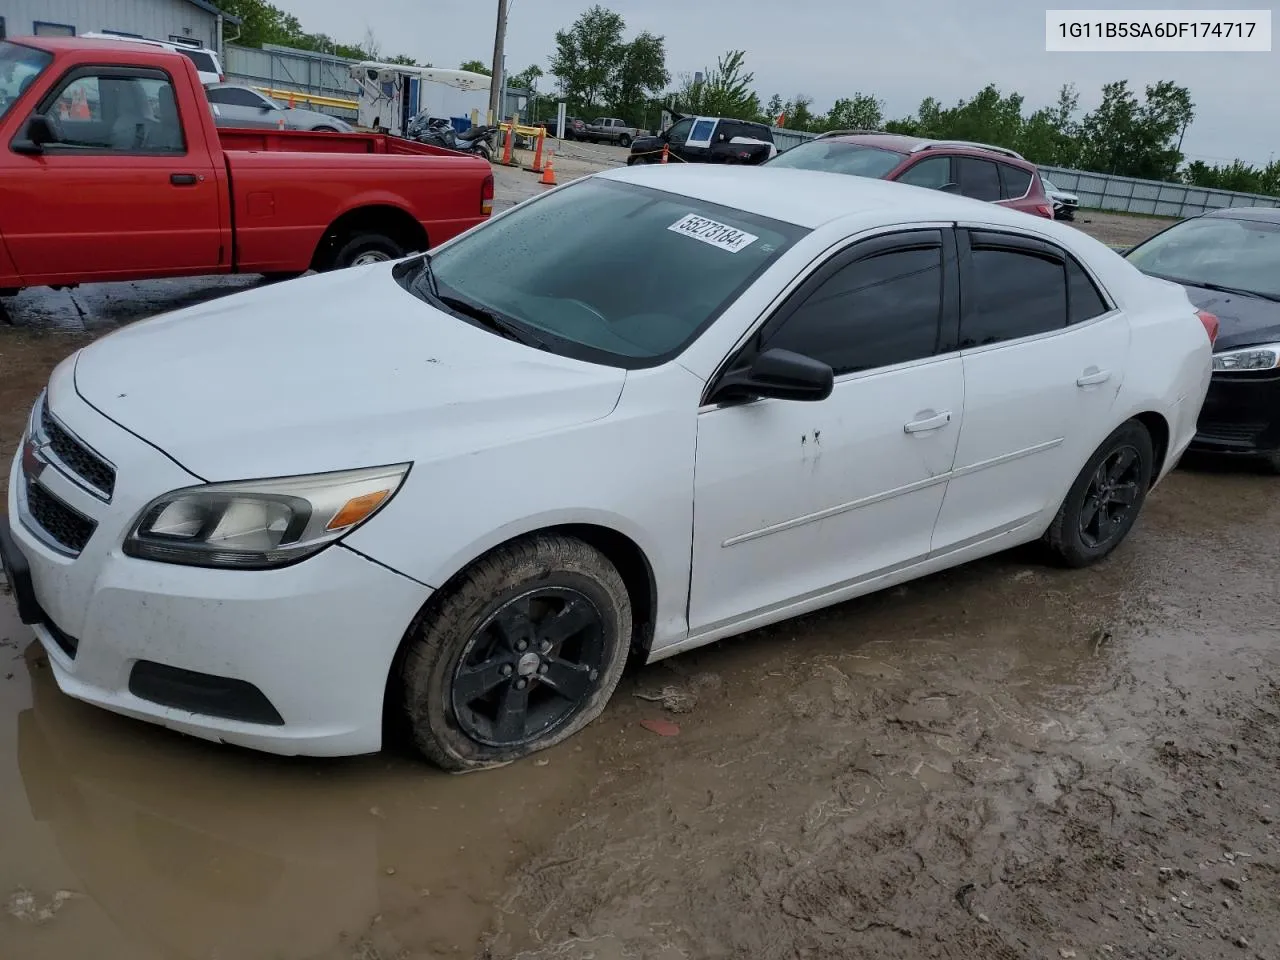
point(707, 140)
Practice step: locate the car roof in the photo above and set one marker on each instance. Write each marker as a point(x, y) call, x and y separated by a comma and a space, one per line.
point(1265, 214)
point(906, 145)
point(58, 44)
point(167, 44)
point(809, 198)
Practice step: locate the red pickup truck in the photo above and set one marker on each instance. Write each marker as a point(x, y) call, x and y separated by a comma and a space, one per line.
point(111, 168)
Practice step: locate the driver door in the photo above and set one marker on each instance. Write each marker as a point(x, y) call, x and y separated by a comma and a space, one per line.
point(677, 134)
point(798, 503)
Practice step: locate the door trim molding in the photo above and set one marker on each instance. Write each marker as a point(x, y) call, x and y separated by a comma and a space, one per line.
point(875, 498)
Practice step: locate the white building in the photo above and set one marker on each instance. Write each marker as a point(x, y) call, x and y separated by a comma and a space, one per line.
point(176, 20)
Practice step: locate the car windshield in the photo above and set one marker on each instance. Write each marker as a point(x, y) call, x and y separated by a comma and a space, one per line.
point(603, 271)
point(19, 66)
point(834, 156)
point(1243, 255)
point(1048, 184)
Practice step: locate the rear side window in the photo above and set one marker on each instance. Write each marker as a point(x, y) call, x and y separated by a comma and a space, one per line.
point(872, 313)
point(204, 63)
point(978, 178)
point(1084, 302)
point(1014, 181)
point(1012, 293)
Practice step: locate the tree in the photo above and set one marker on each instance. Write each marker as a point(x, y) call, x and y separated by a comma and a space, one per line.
point(724, 91)
point(774, 108)
point(263, 22)
point(476, 66)
point(527, 79)
point(641, 72)
point(799, 116)
point(1136, 139)
point(587, 55)
point(861, 112)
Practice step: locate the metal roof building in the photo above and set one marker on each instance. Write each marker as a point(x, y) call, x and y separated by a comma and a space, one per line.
point(177, 20)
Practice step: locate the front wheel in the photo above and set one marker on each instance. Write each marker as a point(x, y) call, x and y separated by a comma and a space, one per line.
point(523, 653)
point(1103, 503)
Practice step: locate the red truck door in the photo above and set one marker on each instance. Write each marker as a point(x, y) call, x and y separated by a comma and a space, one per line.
point(125, 189)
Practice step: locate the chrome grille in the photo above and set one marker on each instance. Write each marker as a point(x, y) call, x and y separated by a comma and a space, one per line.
point(91, 469)
point(68, 528)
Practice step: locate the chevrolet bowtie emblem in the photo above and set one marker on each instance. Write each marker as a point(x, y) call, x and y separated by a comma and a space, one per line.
point(33, 460)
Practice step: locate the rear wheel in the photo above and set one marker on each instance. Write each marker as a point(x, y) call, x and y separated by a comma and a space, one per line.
point(324, 129)
point(523, 653)
point(1103, 503)
point(365, 247)
point(624, 141)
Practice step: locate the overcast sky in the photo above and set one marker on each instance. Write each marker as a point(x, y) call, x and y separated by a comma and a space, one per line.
point(899, 51)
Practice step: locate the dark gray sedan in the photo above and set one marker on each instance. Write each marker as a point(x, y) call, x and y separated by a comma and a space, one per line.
point(237, 106)
point(1229, 263)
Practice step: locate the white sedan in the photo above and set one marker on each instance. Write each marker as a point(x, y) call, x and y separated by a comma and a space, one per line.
point(648, 410)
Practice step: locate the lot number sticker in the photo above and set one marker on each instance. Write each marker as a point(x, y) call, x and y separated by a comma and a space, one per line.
point(717, 234)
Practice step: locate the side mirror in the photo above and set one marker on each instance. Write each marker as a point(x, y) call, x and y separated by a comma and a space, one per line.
point(39, 132)
point(950, 188)
point(780, 375)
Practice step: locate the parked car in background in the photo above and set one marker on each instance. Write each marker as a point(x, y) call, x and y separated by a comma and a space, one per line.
point(832, 402)
point(707, 140)
point(1064, 203)
point(239, 106)
point(207, 63)
point(980, 171)
point(140, 161)
point(609, 130)
point(1229, 262)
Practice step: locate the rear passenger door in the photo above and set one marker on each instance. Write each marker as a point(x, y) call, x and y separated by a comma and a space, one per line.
point(1044, 356)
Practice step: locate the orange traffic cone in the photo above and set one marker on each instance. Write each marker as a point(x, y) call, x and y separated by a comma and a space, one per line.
point(665, 152)
point(549, 172)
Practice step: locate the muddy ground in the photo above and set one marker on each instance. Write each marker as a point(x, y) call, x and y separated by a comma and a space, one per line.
point(1003, 761)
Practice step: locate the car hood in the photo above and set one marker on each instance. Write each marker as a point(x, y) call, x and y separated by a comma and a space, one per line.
point(1242, 321)
point(329, 372)
point(640, 144)
point(1063, 195)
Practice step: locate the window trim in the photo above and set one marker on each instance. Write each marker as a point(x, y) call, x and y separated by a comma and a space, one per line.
point(1009, 239)
point(874, 242)
point(116, 71)
point(37, 24)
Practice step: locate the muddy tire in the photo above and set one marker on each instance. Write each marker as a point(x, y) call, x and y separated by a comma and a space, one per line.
point(524, 652)
point(624, 141)
point(365, 247)
point(1105, 499)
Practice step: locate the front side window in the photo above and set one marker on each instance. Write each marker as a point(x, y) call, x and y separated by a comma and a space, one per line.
point(978, 178)
point(1243, 255)
point(835, 156)
point(115, 114)
point(934, 173)
point(872, 313)
point(19, 67)
point(1012, 293)
point(633, 276)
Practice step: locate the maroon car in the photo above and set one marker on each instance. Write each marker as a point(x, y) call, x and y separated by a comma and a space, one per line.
point(971, 169)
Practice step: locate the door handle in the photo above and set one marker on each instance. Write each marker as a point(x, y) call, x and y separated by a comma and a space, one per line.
point(929, 423)
point(1092, 377)
point(182, 179)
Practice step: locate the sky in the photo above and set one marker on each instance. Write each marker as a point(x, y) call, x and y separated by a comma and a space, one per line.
point(901, 52)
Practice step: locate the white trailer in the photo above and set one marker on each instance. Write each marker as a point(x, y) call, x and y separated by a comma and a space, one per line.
point(392, 94)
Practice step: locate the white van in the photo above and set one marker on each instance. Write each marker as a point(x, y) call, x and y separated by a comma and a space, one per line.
point(207, 63)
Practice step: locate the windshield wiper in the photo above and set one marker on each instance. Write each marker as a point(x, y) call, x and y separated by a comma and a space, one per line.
point(493, 321)
point(1221, 288)
point(425, 273)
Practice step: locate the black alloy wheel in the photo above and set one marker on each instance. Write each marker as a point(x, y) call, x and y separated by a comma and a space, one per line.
point(1112, 497)
point(530, 667)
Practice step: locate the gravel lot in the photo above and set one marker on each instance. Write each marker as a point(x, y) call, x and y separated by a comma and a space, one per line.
point(1003, 761)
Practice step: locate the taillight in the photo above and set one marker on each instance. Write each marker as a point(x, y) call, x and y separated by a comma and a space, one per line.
point(222, 78)
point(486, 196)
point(1045, 210)
point(1210, 322)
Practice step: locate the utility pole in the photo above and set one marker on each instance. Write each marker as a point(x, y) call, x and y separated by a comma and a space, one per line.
point(498, 80)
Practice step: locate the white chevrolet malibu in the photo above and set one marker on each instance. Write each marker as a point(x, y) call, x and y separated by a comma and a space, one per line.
point(646, 411)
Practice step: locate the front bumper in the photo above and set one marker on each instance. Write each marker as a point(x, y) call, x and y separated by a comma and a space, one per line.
point(289, 661)
point(1241, 414)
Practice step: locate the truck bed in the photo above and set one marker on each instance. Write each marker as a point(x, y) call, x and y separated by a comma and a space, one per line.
point(305, 141)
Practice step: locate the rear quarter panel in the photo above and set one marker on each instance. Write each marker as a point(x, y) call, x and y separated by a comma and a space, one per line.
point(284, 201)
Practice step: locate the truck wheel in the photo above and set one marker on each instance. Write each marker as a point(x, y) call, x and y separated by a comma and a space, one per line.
point(523, 653)
point(1103, 503)
point(360, 249)
point(624, 141)
point(324, 129)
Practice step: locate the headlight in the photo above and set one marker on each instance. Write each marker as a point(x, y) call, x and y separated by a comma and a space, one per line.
point(259, 524)
point(1265, 356)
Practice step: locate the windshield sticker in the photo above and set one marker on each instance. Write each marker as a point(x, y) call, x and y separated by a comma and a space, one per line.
point(717, 234)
